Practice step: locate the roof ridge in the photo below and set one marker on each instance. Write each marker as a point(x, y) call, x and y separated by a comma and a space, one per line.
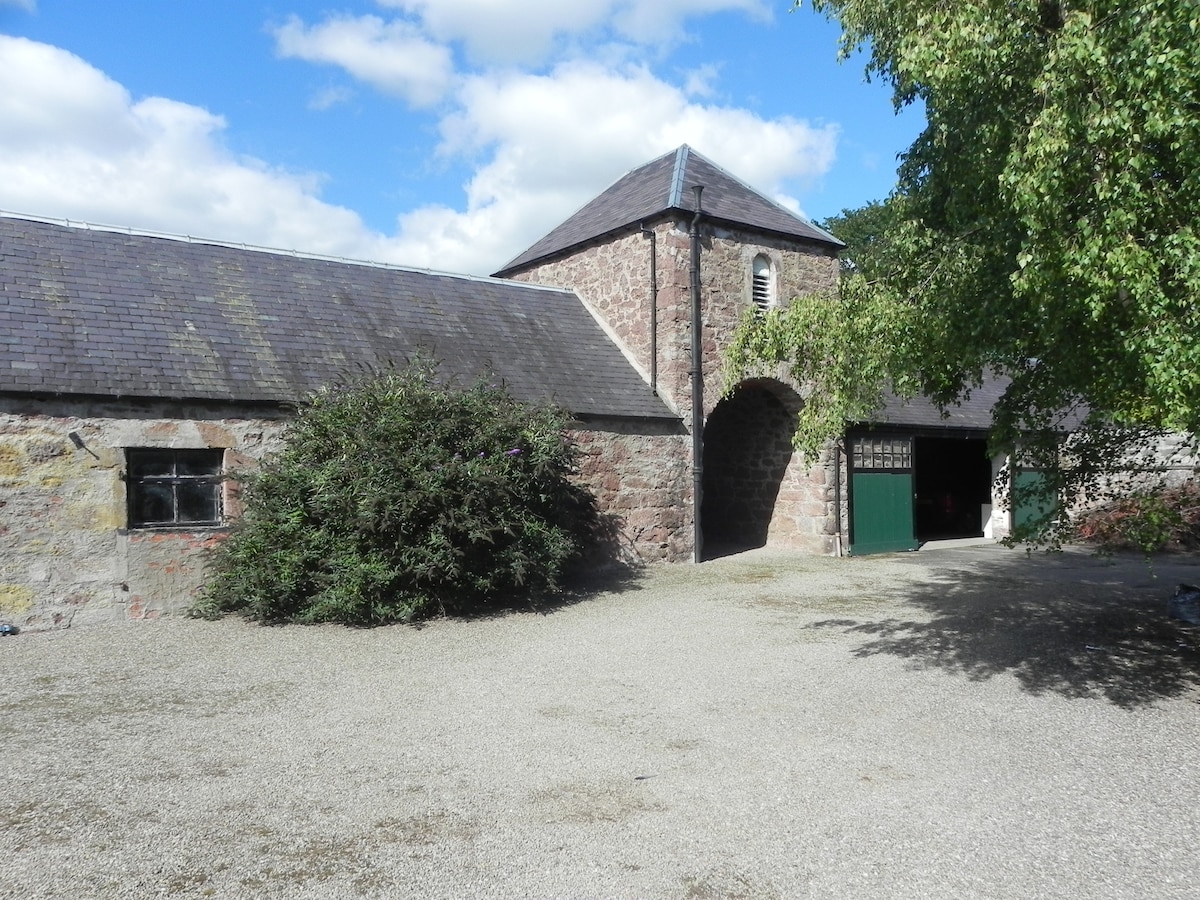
point(659, 188)
point(579, 209)
point(678, 176)
point(758, 193)
point(256, 248)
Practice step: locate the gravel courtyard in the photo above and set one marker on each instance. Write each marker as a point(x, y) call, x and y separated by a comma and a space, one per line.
point(959, 722)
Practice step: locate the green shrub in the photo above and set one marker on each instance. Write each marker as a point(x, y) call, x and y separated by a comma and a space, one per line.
point(1149, 522)
point(396, 498)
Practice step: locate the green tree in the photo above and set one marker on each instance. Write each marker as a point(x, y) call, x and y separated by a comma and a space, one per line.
point(866, 232)
point(1043, 229)
point(846, 348)
point(1051, 200)
point(397, 497)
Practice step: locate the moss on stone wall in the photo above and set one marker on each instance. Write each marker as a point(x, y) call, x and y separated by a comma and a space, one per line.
point(15, 599)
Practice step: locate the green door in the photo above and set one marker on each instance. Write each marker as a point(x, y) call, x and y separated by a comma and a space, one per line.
point(1030, 508)
point(881, 496)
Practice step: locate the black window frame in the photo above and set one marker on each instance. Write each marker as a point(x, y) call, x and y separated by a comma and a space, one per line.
point(174, 479)
point(881, 452)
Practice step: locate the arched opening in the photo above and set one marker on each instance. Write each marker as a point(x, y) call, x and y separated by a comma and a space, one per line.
point(747, 448)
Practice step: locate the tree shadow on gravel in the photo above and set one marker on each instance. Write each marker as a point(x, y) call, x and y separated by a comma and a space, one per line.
point(1074, 627)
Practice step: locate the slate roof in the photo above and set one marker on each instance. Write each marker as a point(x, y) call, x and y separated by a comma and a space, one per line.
point(664, 186)
point(106, 313)
point(973, 413)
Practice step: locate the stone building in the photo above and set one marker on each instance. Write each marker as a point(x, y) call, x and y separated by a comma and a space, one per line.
point(136, 371)
point(648, 256)
point(630, 256)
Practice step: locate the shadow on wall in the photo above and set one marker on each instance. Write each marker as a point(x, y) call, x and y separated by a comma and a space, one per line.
point(747, 448)
point(1074, 625)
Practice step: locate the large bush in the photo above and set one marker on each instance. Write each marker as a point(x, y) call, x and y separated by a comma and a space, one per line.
point(397, 497)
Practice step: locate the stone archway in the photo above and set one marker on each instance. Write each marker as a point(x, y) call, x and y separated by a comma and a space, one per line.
point(747, 448)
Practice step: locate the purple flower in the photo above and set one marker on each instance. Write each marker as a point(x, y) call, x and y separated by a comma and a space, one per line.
point(515, 451)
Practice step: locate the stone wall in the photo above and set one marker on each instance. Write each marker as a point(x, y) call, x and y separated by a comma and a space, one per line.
point(614, 280)
point(747, 452)
point(727, 259)
point(640, 473)
point(70, 558)
point(757, 490)
point(68, 555)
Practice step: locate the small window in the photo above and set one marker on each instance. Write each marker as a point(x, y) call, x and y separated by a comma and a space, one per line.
point(881, 454)
point(174, 487)
point(762, 288)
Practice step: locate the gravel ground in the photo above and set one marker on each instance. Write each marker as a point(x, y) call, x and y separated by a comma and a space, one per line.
point(959, 722)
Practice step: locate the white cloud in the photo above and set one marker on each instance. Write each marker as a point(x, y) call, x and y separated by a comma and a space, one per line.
point(503, 32)
point(556, 140)
point(74, 144)
point(497, 31)
point(699, 81)
point(329, 97)
point(542, 144)
point(394, 57)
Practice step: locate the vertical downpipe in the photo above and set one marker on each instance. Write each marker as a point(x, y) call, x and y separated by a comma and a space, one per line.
point(653, 235)
point(697, 387)
point(837, 496)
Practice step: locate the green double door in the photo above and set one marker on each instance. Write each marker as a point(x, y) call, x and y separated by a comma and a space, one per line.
point(881, 495)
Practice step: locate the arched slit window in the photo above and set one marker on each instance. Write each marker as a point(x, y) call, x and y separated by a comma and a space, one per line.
point(762, 287)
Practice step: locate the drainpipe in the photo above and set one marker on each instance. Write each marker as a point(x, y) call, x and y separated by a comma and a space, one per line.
point(697, 388)
point(653, 307)
point(837, 495)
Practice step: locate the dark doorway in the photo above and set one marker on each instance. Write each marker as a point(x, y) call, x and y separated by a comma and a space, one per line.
point(952, 482)
point(747, 447)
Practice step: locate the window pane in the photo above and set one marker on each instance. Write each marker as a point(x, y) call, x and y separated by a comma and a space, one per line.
point(174, 487)
point(198, 463)
point(150, 463)
point(881, 454)
point(152, 504)
point(197, 502)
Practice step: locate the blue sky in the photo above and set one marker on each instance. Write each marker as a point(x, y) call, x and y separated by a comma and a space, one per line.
point(447, 134)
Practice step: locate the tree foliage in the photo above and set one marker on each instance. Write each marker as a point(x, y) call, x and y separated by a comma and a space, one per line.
point(866, 232)
point(845, 348)
point(1043, 229)
point(396, 497)
point(1050, 203)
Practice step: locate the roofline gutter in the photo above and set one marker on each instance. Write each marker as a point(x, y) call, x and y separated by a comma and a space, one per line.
point(829, 242)
point(697, 387)
point(68, 394)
